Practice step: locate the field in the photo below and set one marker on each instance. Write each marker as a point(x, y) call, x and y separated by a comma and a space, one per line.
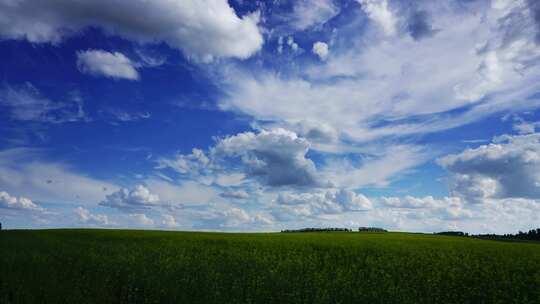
point(128, 266)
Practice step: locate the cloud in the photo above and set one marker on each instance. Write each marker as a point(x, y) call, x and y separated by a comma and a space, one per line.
point(26, 103)
point(135, 199)
point(17, 203)
point(376, 169)
point(196, 163)
point(202, 29)
point(232, 217)
point(506, 168)
point(103, 63)
point(169, 221)
point(275, 157)
point(373, 89)
point(446, 208)
point(291, 206)
point(320, 49)
point(24, 170)
point(234, 194)
point(85, 216)
point(311, 13)
point(379, 12)
point(141, 219)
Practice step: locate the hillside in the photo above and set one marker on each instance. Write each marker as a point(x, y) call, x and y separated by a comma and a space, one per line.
point(128, 266)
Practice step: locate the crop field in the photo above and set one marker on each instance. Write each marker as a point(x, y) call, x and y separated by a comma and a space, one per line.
point(129, 266)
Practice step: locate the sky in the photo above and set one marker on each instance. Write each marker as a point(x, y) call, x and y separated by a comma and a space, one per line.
point(244, 115)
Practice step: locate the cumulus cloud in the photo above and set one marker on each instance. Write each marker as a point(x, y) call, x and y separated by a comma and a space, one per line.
point(232, 217)
point(18, 203)
point(320, 49)
point(276, 157)
point(141, 219)
point(506, 168)
point(85, 216)
point(203, 30)
point(197, 163)
point(379, 12)
point(135, 199)
point(289, 206)
point(103, 63)
point(169, 221)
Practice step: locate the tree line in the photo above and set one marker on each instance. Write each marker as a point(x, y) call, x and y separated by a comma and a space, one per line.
point(531, 235)
point(331, 229)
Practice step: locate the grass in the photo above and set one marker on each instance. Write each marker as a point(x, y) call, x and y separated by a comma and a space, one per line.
point(127, 266)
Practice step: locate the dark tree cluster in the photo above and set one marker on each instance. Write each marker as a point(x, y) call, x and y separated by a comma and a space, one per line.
point(318, 230)
point(452, 233)
point(361, 229)
point(371, 229)
point(531, 235)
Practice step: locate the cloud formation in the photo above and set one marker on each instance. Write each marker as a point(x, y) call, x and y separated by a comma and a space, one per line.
point(292, 206)
point(202, 29)
point(311, 13)
point(235, 194)
point(320, 49)
point(26, 103)
point(18, 203)
point(507, 168)
point(379, 12)
point(275, 157)
point(86, 217)
point(135, 199)
point(446, 208)
point(141, 219)
point(103, 63)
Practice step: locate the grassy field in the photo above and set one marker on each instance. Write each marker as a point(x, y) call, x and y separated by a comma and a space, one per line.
point(115, 266)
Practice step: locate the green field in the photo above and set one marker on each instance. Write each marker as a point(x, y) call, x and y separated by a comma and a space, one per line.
point(127, 266)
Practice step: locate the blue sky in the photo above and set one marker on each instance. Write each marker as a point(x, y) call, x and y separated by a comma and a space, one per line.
point(269, 115)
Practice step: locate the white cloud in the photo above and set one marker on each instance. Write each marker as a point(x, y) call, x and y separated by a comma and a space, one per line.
point(103, 63)
point(320, 49)
point(291, 206)
point(26, 103)
point(19, 203)
point(380, 13)
point(292, 44)
point(137, 198)
point(446, 208)
point(26, 171)
point(85, 216)
point(374, 88)
point(169, 221)
point(276, 157)
point(311, 13)
point(202, 29)
point(195, 163)
point(187, 192)
point(234, 194)
point(227, 217)
point(508, 167)
point(141, 219)
point(375, 169)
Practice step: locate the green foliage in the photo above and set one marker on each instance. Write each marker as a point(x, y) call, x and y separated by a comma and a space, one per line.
point(115, 266)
